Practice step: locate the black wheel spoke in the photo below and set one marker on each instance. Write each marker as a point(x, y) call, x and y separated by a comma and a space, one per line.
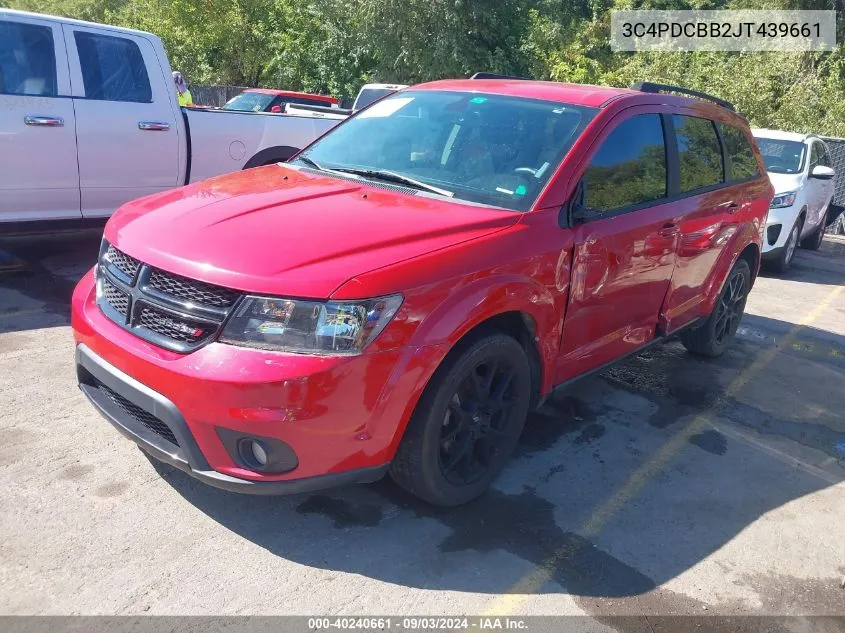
point(460, 455)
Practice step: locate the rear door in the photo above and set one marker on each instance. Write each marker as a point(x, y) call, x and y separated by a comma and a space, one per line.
point(39, 179)
point(709, 207)
point(127, 132)
point(625, 245)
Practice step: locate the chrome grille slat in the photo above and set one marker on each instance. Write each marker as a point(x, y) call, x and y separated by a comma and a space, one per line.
point(169, 310)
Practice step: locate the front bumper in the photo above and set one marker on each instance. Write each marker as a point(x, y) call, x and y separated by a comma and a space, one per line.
point(128, 395)
point(343, 417)
point(779, 223)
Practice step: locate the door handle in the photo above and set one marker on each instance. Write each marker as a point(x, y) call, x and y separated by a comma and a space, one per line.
point(153, 126)
point(46, 121)
point(730, 206)
point(669, 230)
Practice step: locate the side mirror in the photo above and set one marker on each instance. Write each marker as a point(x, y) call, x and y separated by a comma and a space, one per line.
point(821, 172)
point(277, 109)
point(573, 212)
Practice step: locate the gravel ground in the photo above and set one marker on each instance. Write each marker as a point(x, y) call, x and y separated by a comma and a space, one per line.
point(666, 485)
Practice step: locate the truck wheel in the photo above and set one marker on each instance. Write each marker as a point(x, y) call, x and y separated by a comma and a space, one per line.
point(814, 241)
point(784, 260)
point(712, 338)
point(467, 423)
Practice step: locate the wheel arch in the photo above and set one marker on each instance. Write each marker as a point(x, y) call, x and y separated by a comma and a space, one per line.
point(519, 325)
point(269, 155)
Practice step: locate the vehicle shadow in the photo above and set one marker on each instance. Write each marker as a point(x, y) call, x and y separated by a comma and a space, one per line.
point(825, 266)
point(38, 275)
point(743, 454)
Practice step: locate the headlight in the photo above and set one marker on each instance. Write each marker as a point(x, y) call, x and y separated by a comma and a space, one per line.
point(310, 327)
point(783, 200)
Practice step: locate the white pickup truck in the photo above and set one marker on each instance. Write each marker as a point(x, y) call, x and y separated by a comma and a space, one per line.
point(89, 119)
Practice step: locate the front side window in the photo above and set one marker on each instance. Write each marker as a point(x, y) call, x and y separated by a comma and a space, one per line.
point(742, 165)
point(629, 168)
point(699, 153)
point(782, 157)
point(112, 68)
point(27, 60)
point(482, 148)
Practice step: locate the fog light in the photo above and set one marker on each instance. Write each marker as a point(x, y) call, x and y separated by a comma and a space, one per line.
point(261, 454)
point(258, 453)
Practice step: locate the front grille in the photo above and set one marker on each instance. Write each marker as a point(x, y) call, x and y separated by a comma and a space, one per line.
point(120, 260)
point(190, 290)
point(173, 327)
point(166, 309)
point(117, 299)
point(141, 416)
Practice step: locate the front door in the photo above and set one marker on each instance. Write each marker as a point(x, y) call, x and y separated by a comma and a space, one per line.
point(625, 243)
point(125, 118)
point(819, 191)
point(39, 179)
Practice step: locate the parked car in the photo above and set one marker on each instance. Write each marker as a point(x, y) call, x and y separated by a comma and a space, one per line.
point(89, 120)
point(801, 171)
point(399, 295)
point(369, 93)
point(266, 100)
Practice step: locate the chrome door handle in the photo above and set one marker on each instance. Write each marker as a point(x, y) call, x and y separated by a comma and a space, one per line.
point(47, 121)
point(154, 126)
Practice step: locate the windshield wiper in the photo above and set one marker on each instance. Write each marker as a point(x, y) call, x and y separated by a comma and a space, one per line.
point(311, 163)
point(392, 176)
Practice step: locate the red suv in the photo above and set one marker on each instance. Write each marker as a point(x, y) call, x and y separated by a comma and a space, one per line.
point(401, 294)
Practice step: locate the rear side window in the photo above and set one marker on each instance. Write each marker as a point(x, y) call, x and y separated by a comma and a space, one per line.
point(741, 162)
point(112, 68)
point(27, 60)
point(699, 153)
point(629, 168)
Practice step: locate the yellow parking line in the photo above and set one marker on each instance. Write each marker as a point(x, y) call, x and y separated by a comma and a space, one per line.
point(533, 581)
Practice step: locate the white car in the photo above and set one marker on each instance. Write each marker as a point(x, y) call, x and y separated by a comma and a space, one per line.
point(801, 171)
point(89, 119)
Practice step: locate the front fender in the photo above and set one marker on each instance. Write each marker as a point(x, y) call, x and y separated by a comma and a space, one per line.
point(461, 310)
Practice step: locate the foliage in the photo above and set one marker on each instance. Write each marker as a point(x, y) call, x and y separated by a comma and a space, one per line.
point(333, 46)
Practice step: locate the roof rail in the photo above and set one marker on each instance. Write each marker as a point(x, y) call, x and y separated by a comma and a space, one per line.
point(495, 76)
point(648, 86)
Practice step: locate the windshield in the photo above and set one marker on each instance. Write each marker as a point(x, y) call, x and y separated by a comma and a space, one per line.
point(487, 149)
point(249, 102)
point(782, 157)
point(368, 95)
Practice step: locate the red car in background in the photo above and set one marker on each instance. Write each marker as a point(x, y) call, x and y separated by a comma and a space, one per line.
point(401, 294)
point(268, 100)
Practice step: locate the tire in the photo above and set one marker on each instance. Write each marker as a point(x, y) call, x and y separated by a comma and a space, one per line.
point(713, 337)
point(783, 261)
point(458, 440)
point(814, 241)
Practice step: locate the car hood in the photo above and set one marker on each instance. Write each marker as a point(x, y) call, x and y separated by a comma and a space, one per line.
point(784, 183)
point(279, 230)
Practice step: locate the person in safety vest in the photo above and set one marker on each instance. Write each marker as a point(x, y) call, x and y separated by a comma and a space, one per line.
point(185, 98)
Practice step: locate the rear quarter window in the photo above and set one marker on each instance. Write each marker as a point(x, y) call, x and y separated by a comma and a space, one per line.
point(742, 164)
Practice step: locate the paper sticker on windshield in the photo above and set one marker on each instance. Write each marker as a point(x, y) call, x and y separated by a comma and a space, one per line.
point(478, 100)
point(385, 108)
point(521, 190)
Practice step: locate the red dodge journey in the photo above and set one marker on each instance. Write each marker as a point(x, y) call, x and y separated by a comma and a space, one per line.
point(398, 296)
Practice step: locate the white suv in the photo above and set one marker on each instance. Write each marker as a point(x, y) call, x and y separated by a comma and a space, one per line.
point(801, 171)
